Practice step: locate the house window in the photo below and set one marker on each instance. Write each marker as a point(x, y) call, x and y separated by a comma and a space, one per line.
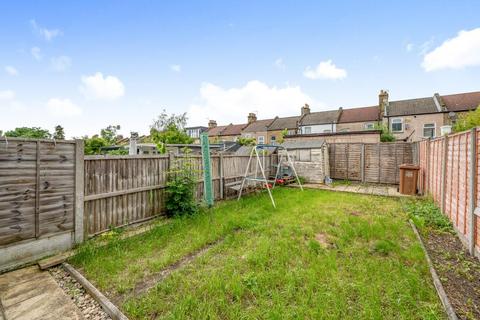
point(369, 126)
point(397, 125)
point(429, 130)
point(291, 132)
point(327, 131)
point(248, 135)
point(307, 130)
point(261, 139)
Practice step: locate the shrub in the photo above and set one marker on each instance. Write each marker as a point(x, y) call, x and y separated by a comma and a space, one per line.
point(426, 213)
point(181, 186)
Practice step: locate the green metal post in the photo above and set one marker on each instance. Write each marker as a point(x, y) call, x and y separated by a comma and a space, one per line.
point(207, 170)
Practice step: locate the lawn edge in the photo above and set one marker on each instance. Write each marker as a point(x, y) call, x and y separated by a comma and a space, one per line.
point(112, 310)
point(447, 306)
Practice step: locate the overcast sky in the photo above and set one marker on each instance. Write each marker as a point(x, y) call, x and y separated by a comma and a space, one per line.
point(88, 64)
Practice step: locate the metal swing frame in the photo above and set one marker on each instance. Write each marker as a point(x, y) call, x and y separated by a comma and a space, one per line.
point(263, 179)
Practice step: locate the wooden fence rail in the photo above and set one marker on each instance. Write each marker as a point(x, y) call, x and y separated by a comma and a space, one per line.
point(370, 162)
point(450, 174)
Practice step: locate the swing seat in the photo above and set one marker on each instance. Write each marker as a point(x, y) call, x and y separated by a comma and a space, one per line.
point(236, 185)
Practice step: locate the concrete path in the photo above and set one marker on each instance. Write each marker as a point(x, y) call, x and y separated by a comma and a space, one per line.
point(31, 294)
point(373, 189)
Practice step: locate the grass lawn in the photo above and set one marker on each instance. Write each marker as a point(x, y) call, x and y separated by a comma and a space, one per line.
point(320, 254)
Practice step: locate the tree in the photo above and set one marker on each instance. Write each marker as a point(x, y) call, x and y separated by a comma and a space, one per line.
point(467, 121)
point(385, 135)
point(109, 134)
point(169, 129)
point(29, 132)
point(243, 141)
point(94, 144)
point(283, 134)
point(59, 133)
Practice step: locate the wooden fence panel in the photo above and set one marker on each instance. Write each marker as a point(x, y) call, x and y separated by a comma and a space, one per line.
point(446, 174)
point(37, 188)
point(378, 163)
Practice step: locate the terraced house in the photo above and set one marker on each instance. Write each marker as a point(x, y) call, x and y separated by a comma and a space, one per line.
point(408, 120)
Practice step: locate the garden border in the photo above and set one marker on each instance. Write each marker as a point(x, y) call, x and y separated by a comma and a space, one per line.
point(112, 310)
point(436, 280)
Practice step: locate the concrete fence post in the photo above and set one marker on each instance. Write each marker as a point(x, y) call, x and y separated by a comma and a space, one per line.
point(472, 189)
point(444, 173)
point(80, 220)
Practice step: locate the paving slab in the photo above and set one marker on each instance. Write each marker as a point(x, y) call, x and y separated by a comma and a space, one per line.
point(31, 294)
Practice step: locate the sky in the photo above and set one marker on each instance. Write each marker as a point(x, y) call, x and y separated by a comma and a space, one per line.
point(89, 64)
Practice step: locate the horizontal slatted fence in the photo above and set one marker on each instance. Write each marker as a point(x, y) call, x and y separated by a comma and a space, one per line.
point(121, 190)
point(450, 174)
point(370, 162)
point(37, 188)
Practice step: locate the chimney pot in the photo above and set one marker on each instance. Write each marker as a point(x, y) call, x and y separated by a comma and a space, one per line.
point(252, 117)
point(305, 109)
point(212, 124)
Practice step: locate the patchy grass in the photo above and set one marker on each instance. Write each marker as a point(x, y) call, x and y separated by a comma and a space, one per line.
point(308, 259)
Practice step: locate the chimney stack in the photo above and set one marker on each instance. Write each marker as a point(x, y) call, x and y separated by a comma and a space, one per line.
point(212, 124)
point(383, 102)
point(132, 149)
point(252, 117)
point(305, 109)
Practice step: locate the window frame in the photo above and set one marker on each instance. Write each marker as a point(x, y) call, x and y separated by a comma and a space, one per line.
point(309, 129)
point(368, 126)
point(434, 130)
point(401, 123)
point(263, 139)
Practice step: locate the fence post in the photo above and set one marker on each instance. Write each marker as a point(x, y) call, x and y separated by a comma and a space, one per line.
point(443, 178)
point(362, 162)
point(472, 180)
point(37, 190)
point(80, 220)
point(427, 167)
point(220, 169)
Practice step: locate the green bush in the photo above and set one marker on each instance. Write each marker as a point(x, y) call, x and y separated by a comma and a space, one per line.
point(426, 213)
point(181, 187)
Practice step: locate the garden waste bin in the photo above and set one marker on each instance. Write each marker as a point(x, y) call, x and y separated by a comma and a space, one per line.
point(408, 179)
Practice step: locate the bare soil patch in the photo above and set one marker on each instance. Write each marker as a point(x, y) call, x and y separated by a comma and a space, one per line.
point(458, 271)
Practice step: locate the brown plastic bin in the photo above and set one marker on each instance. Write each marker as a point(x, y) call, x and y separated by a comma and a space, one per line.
point(408, 179)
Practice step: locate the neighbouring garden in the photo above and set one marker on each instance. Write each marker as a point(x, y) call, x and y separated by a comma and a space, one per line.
point(320, 254)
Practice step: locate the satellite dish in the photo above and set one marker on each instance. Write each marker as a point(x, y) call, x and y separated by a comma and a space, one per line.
point(452, 115)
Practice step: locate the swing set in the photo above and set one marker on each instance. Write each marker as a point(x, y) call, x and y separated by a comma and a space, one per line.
point(269, 183)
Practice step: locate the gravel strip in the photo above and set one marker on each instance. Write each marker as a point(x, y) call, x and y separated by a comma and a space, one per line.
point(87, 305)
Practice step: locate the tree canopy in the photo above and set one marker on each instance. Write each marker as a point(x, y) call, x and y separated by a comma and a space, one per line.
point(169, 129)
point(467, 121)
point(29, 132)
point(59, 133)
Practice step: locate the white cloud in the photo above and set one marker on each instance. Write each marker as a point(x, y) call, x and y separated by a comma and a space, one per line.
point(176, 67)
point(63, 108)
point(7, 95)
point(36, 53)
point(99, 87)
point(409, 47)
point(455, 53)
point(280, 64)
point(325, 70)
point(11, 71)
point(47, 34)
point(61, 63)
point(233, 104)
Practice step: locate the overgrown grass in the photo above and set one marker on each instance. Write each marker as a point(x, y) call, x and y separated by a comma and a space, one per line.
point(319, 255)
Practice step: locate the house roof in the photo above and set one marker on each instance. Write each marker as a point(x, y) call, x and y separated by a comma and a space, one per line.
point(305, 144)
point(233, 130)
point(359, 114)
point(197, 127)
point(411, 107)
point(462, 101)
point(284, 123)
point(259, 125)
point(215, 131)
point(322, 117)
point(246, 150)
